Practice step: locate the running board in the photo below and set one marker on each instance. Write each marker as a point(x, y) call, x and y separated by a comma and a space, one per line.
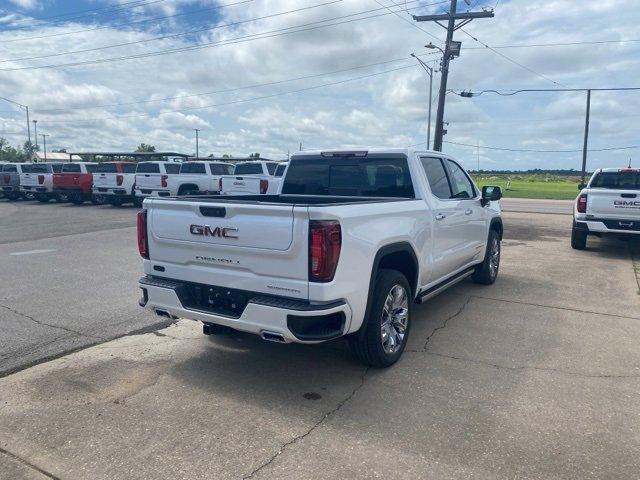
point(439, 288)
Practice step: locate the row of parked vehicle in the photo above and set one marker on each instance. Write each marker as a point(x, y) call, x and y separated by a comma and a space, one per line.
point(120, 182)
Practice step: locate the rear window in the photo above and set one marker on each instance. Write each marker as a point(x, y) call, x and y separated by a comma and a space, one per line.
point(91, 168)
point(106, 168)
point(71, 168)
point(248, 169)
point(129, 168)
point(57, 167)
point(39, 168)
point(146, 167)
point(622, 180)
point(221, 169)
point(280, 170)
point(350, 176)
point(271, 168)
point(192, 167)
point(170, 167)
point(10, 168)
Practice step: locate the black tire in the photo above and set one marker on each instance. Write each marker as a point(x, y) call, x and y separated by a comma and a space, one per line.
point(42, 197)
point(578, 239)
point(98, 199)
point(137, 202)
point(12, 196)
point(487, 272)
point(116, 201)
point(77, 198)
point(367, 344)
point(61, 197)
point(186, 191)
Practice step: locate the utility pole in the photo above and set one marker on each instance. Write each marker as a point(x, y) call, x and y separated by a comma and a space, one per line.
point(197, 146)
point(586, 137)
point(26, 108)
point(478, 154)
point(44, 141)
point(451, 50)
point(35, 134)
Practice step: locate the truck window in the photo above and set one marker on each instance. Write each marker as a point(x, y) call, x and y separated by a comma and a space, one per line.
point(460, 183)
point(39, 168)
point(271, 167)
point(622, 180)
point(91, 167)
point(280, 170)
point(10, 169)
point(106, 168)
point(146, 167)
point(352, 177)
point(221, 169)
point(437, 177)
point(57, 167)
point(71, 168)
point(171, 167)
point(192, 167)
point(129, 168)
point(248, 169)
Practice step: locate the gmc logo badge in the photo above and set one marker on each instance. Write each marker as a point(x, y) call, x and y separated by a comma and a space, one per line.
point(207, 231)
point(623, 203)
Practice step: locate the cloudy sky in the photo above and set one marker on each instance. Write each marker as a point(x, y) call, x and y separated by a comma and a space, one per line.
point(265, 75)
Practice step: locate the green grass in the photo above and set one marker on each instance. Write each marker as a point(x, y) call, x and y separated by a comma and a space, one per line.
point(533, 186)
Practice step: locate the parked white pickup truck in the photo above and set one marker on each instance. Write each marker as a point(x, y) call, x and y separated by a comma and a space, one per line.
point(251, 178)
point(38, 180)
point(352, 242)
point(114, 182)
point(199, 177)
point(608, 205)
point(152, 179)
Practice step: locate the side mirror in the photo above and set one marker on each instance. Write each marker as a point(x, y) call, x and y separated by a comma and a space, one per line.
point(581, 186)
point(490, 193)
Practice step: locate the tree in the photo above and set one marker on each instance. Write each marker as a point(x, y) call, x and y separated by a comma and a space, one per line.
point(28, 149)
point(61, 150)
point(143, 147)
point(226, 155)
point(254, 155)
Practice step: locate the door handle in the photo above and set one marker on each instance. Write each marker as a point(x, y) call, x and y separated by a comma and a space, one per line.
point(468, 211)
point(440, 216)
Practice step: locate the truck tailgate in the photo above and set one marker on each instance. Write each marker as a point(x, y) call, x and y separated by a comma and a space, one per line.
point(254, 247)
point(244, 185)
point(105, 180)
point(613, 204)
point(149, 180)
point(29, 179)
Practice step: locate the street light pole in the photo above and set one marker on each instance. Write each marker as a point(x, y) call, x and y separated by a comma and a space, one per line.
point(35, 131)
point(44, 141)
point(429, 71)
point(586, 137)
point(197, 146)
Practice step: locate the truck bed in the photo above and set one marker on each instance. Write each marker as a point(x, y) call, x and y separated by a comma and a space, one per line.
point(298, 200)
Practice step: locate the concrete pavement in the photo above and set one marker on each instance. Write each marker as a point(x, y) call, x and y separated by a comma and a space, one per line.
point(537, 376)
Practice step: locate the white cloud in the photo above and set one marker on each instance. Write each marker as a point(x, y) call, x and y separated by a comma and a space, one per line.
point(27, 4)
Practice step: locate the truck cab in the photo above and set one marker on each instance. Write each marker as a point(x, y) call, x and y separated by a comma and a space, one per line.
point(74, 182)
point(609, 205)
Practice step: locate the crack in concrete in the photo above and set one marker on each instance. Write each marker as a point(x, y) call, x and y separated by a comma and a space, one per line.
point(316, 425)
point(50, 325)
point(29, 464)
point(528, 367)
point(634, 253)
point(570, 309)
point(444, 324)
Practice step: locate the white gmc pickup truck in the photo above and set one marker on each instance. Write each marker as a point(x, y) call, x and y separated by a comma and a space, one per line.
point(609, 205)
point(353, 240)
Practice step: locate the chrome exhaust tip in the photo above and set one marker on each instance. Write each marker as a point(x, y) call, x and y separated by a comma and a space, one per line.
point(272, 336)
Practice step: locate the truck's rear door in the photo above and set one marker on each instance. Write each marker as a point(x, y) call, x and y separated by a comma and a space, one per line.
point(614, 195)
point(149, 176)
point(259, 247)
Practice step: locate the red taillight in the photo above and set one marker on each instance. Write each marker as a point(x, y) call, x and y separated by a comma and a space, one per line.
point(76, 179)
point(7, 178)
point(325, 240)
point(163, 180)
point(582, 203)
point(143, 244)
point(119, 180)
point(264, 185)
point(40, 179)
point(220, 184)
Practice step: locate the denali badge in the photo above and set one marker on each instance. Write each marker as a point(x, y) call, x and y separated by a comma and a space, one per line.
point(207, 231)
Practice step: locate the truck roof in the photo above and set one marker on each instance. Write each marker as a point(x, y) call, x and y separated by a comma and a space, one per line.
point(363, 151)
point(616, 170)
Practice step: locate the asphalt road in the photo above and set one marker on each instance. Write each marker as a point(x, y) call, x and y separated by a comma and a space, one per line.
point(537, 376)
point(530, 205)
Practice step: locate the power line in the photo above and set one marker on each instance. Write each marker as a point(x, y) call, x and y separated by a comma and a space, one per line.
point(173, 35)
point(235, 102)
point(531, 150)
point(102, 10)
point(124, 24)
point(315, 25)
point(509, 93)
point(558, 44)
point(414, 25)
point(227, 90)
